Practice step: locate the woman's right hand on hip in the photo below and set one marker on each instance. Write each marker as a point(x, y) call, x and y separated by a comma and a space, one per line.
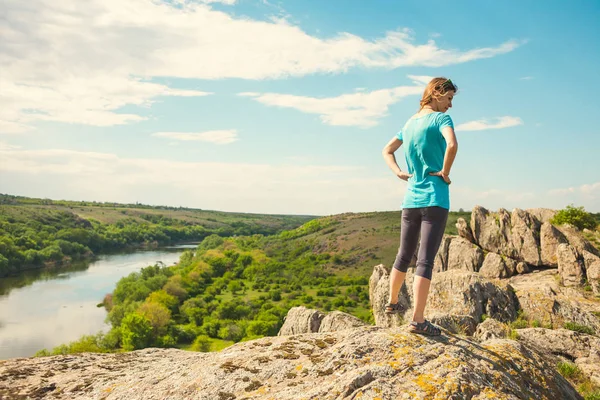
point(442, 175)
point(404, 176)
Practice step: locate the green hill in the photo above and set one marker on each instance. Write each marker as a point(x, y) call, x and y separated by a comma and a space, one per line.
point(38, 232)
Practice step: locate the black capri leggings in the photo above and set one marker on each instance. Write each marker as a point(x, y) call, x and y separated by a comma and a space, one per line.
point(430, 222)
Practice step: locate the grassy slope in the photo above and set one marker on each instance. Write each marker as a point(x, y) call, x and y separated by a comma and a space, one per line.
point(24, 209)
point(364, 240)
point(360, 241)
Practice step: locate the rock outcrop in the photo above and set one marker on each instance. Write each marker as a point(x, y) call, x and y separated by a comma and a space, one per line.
point(542, 214)
point(542, 299)
point(565, 345)
point(456, 293)
point(550, 238)
point(458, 253)
point(366, 362)
point(464, 230)
point(592, 269)
point(501, 244)
point(301, 320)
point(494, 266)
point(305, 320)
point(464, 255)
point(525, 237)
point(570, 268)
point(492, 231)
point(491, 329)
point(576, 239)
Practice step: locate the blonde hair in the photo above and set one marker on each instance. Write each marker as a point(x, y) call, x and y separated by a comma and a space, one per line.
point(436, 88)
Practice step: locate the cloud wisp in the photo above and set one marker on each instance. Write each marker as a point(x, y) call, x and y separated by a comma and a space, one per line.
point(216, 137)
point(362, 109)
point(66, 63)
point(485, 124)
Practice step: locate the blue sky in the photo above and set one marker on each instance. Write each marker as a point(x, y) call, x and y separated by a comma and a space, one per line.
point(284, 106)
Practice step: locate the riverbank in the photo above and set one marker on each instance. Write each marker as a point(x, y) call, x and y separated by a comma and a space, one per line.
point(45, 308)
point(68, 261)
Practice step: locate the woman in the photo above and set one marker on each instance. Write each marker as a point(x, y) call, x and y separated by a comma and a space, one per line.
point(429, 148)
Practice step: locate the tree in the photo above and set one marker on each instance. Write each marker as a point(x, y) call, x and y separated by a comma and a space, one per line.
point(136, 332)
point(158, 315)
point(234, 286)
point(174, 287)
point(164, 298)
point(195, 310)
point(3, 265)
point(211, 242)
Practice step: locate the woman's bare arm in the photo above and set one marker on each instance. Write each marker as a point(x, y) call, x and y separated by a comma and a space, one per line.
point(390, 158)
point(451, 149)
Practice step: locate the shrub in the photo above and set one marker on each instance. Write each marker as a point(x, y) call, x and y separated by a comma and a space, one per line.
point(579, 328)
point(211, 242)
point(232, 332)
point(568, 370)
point(576, 216)
point(201, 343)
point(595, 395)
point(275, 295)
point(262, 328)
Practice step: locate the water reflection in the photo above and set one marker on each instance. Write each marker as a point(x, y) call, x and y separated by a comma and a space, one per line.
point(26, 278)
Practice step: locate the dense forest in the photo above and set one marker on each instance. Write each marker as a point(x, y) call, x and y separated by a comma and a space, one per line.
point(40, 232)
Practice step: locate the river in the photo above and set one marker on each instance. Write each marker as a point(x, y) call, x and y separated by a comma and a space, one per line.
point(45, 308)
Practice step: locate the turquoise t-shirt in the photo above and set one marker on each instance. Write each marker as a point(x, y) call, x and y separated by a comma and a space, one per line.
point(424, 149)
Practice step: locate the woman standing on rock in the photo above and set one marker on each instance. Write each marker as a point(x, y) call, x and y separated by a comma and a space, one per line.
point(429, 148)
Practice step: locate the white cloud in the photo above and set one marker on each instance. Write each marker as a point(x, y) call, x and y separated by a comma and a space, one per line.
point(228, 2)
point(187, 2)
point(284, 188)
point(76, 100)
point(362, 109)
point(216, 137)
point(12, 126)
point(591, 189)
point(484, 124)
point(422, 79)
point(6, 146)
point(526, 78)
point(467, 197)
point(64, 62)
